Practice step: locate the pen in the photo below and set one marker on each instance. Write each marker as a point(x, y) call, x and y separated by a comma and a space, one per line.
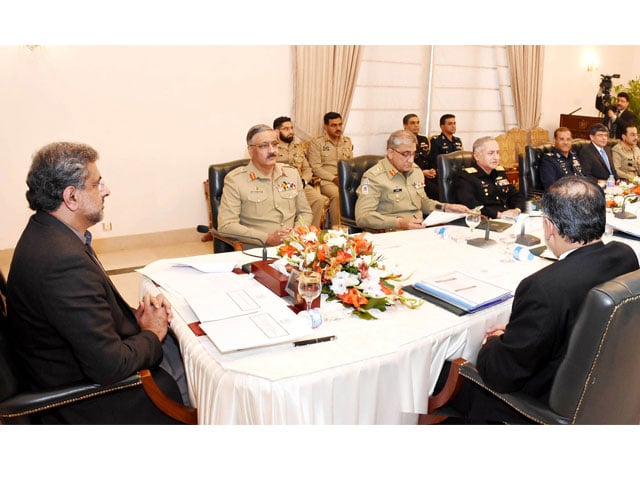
point(300, 343)
point(464, 288)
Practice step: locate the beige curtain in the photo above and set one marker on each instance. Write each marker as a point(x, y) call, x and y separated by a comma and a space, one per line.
point(324, 78)
point(525, 64)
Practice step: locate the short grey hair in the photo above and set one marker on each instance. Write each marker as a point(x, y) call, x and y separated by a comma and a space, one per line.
point(401, 137)
point(255, 130)
point(480, 142)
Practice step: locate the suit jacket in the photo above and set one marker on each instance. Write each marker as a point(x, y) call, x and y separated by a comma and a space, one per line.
point(68, 321)
point(593, 165)
point(546, 304)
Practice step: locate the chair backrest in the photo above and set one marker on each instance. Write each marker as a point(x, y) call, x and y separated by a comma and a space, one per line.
point(350, 173)
point(216, 182)
point(519, 137)
point(448, 165)
point(508, 152)
point(10, 383)
point(538, 136)
point(529, 169)
point(597, 381)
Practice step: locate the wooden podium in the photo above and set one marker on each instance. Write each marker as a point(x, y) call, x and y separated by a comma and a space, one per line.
point(578, 124)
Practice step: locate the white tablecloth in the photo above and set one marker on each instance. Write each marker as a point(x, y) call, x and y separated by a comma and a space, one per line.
point(376, 372)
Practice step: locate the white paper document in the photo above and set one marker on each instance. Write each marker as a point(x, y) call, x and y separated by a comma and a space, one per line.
point(464, 291)
point(438, 217)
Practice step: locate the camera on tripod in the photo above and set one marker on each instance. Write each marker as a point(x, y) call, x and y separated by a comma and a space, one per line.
point(605, 85)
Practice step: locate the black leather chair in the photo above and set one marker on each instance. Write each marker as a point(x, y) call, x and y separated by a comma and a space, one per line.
point(217, 173)
point(349, 176)
point(596, 382)
point(447, 166)
point(20, 406)
point(529, 170)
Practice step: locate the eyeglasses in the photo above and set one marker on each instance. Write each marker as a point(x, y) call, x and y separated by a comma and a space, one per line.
point(265, 145)
point(405, 155)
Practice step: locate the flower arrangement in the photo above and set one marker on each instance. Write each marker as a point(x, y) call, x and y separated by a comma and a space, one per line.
point(615, 195)
point(351, 272)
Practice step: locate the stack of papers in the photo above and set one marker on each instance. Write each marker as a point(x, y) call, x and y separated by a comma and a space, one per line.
point(465, 292)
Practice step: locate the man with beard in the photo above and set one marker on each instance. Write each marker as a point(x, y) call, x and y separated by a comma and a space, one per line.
point(292, 153)
point(265, 199)
point(66, 319)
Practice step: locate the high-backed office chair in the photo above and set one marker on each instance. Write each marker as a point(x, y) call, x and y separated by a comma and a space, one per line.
point(349, 175)
point(596, 382)
point(217, 173)
point(20, 406)
point(447, 166)
point(529, 170)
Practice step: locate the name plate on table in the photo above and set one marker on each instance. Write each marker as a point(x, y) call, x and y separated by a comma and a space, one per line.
point(270, 277)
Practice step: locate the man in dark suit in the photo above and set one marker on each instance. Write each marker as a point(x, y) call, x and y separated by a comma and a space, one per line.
point(66, 319)
point(619, 117)
point(596, 157)
point(523, 355)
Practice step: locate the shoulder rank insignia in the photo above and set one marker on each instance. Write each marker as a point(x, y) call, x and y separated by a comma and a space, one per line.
point(500, 168)
point(471, 170)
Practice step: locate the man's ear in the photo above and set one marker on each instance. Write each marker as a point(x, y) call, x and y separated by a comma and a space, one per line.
point(549, 228)
point(70, 198)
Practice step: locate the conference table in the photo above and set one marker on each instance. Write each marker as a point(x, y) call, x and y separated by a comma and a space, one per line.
point(378, 371)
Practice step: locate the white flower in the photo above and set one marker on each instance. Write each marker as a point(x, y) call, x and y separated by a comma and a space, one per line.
point(372, 288)
point(342, 281)
point(338, 241)
point(280, 265)
point(310, 257)
point(310, 237)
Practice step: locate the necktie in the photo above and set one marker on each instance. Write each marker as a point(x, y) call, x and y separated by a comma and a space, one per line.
point(606, 160)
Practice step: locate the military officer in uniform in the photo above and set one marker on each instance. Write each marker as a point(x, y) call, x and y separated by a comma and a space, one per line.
point(411, 122)
point(264, 199)
point(485, 183)
point(391, 194)
point(293, 154)
point(324, 153)
point(446, 142)
point(626, 154)
point(561, 161)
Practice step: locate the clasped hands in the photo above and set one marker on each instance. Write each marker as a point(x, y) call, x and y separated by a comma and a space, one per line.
point(494, 331)
point(154, 314)
point(275, 238)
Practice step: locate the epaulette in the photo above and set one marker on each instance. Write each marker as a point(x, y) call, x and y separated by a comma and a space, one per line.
point(237, 171)
point(471, 170)
point(377, 170)
point(550, 154)
point(500, 168)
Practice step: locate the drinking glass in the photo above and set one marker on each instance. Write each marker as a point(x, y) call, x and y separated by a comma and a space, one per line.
point(508, 242)
point(473, 220)
point(309, 287)
point(608, 233)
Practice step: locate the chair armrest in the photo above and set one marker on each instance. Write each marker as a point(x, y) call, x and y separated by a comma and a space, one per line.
point(30, 403)
point(173, 409)
point(236, 244)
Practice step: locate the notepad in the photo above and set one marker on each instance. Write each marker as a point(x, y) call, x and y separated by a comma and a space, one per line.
point(464, 291)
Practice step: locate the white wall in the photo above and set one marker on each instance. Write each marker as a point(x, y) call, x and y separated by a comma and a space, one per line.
point(568, 85)
point(158, 117)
